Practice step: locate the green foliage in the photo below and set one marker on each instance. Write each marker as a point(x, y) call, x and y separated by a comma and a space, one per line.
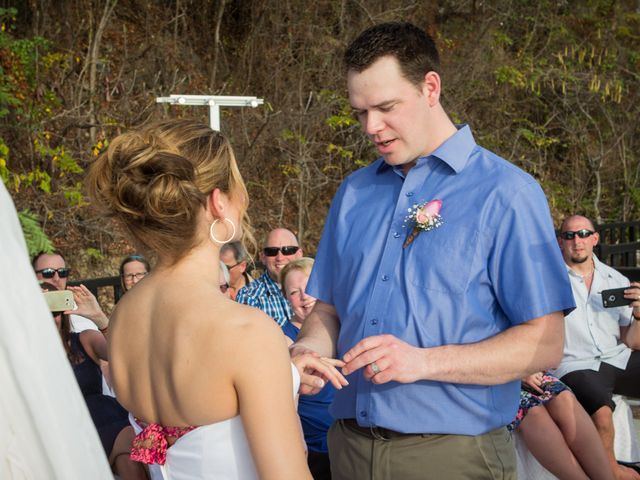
point(37, 241)
point(26, 66)
point(94, 254)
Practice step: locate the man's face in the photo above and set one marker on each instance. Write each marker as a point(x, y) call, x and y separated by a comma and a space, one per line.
point(577, 250)
point(51, 262)
point(279, 238)
point(393, 112)
point(236, 269)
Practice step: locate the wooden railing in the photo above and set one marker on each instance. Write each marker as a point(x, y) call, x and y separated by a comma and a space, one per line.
point(619, 247)
point(93, 284)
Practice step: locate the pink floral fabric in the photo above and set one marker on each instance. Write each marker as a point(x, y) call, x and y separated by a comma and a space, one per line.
point(151, 444)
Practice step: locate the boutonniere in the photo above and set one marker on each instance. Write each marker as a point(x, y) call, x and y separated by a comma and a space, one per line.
point(424, 217)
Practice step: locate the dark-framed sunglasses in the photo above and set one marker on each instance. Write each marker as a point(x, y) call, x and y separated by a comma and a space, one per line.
point(51, 272)
point(569, 235)
point(273, 251)
point(224, 287)
point(138, 276)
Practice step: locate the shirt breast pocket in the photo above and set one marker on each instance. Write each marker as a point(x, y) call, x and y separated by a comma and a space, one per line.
point(441, 259)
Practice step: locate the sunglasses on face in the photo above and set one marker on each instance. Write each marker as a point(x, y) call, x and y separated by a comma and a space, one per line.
point(224, 287)
point(51, 272)
point(569, 235)
point(273, 251)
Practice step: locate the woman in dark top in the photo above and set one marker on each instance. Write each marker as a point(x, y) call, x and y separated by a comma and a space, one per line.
point(84, 351)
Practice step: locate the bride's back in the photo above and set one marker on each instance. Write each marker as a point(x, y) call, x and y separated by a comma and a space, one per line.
point(171, 344)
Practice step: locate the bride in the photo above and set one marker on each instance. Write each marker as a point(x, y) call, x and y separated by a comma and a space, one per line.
point(208, 381)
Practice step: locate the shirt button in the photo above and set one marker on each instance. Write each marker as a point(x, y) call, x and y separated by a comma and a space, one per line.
point(363, 413)
point(385, 278)
point(374, 321)
point(396, 235)
point(409, 194)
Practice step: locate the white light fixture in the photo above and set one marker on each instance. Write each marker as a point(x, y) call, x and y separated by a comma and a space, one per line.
point(214, 102)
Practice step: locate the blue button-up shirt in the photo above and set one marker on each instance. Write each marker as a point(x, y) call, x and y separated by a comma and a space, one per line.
point(265, 294)
point(493, 263)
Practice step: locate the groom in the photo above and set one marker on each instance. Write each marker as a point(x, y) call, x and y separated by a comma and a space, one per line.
point(436, 333)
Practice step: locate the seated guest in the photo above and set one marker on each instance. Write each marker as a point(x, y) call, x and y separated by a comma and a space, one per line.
point(235, 257)
point(600, 344)
point(557, 430)
point(133, 269)
point(280, 247)
point(52, 268)
point(313, 409)
point(84, 351)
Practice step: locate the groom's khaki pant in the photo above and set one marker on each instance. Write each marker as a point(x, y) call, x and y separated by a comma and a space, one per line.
point(362, 454)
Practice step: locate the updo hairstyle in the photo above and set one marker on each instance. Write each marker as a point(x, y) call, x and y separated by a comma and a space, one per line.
point(156, 180)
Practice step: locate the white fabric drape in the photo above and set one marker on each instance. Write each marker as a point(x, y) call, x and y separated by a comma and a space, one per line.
point(45, 427)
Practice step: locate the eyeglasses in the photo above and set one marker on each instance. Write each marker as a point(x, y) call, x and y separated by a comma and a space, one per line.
point(224, 287)
point(569, 235)
point(51, 272)
point(273, 251)
point(229, 267)
point(138, 276)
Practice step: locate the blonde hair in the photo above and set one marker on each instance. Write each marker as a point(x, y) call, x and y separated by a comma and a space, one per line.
point(304, 264)
point(156, 180)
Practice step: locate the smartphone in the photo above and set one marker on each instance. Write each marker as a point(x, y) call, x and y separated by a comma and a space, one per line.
point(60, 300)
point(615, 297)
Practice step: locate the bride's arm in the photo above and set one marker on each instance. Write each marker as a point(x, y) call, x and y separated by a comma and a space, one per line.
point(264, 385)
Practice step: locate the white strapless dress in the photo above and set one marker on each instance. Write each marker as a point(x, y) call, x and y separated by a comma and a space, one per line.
point(217, 451)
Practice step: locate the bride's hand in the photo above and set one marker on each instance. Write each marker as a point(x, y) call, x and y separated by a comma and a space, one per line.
point(315, 372)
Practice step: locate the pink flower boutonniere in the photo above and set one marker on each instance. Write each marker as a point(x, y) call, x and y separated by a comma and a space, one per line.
point(424, 217)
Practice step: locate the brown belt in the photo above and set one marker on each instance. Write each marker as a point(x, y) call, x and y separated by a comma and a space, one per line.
point(376, 433)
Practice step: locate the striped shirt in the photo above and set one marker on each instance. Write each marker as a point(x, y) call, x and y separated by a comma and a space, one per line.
point(265, 294)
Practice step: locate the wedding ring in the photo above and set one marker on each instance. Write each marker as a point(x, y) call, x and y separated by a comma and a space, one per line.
point(375, 368)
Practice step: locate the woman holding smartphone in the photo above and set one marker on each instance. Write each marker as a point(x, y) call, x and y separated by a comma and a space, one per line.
point(84, 351)
point(209, 381)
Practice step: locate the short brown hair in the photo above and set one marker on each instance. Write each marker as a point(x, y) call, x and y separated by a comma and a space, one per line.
point(414, 49)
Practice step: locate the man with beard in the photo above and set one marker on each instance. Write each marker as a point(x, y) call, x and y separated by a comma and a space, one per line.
point(600, 356)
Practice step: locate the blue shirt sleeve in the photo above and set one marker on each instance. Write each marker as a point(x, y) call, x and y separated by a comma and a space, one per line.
point(525, 264)
point(320, 284)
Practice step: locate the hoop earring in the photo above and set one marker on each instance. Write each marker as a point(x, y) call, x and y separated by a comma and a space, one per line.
point(213, 237)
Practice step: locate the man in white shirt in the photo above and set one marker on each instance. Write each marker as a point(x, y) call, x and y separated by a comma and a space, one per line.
point(600, 356)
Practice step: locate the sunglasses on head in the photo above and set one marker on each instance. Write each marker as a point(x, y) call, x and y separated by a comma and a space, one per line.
point(273, 251)
point(50, 272)
point(569, 235)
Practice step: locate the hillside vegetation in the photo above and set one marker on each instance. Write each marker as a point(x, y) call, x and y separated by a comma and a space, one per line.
point(553, 86)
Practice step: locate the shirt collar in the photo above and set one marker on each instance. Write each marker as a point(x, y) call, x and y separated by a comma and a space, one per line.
point(454, 151)
point(270, 283)
point(597, 267)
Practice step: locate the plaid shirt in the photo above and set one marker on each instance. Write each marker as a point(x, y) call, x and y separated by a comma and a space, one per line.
point(265, 294)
